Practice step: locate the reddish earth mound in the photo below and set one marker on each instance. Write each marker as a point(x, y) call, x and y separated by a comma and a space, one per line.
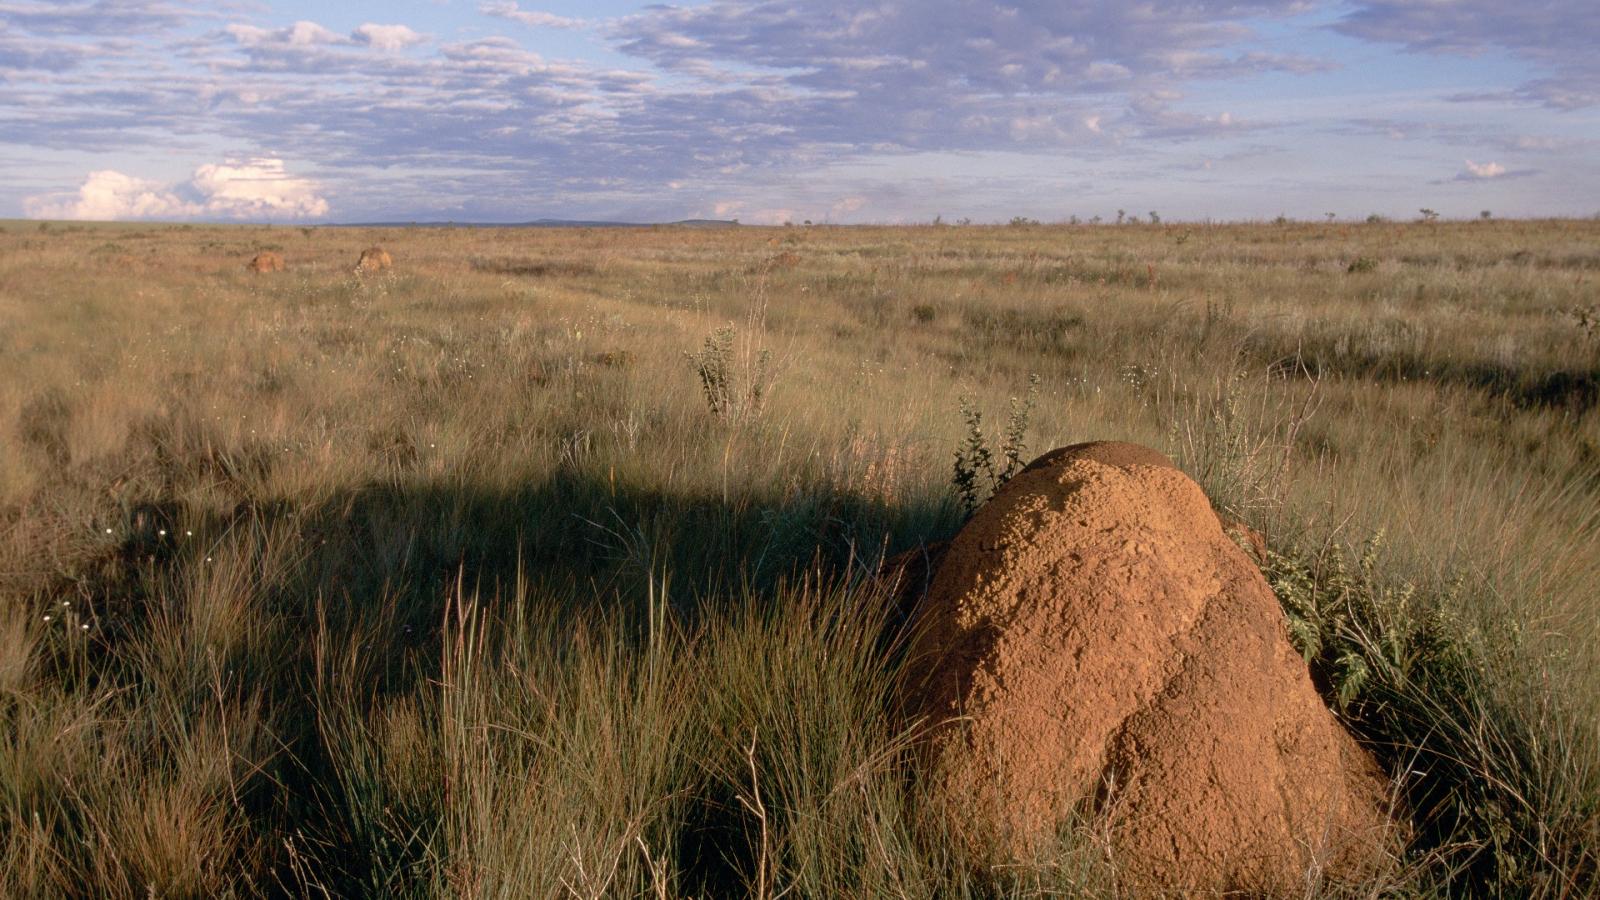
point(266, 261)
point(374, 259)
point(1108, 648)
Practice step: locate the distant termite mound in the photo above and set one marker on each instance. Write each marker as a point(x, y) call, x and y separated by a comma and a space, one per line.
point(1095, 643)
point(374, 259)
point(266, 261)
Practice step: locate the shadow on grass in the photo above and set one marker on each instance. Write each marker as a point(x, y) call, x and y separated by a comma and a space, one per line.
point(1575, 390)
point(601, 549)
point(581, 535)
point(574, 535)
point(377, 567)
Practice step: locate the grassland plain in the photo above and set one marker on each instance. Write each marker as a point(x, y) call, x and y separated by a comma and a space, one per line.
point(449, 581)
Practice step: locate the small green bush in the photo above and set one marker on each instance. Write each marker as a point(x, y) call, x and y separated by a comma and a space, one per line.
point(735, 385)
point(1484, 775)
point(976, 475)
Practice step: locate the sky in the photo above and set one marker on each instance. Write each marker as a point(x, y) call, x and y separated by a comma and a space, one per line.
point(842, 111)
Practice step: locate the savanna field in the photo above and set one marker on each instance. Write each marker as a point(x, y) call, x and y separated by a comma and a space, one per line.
point(545, 562)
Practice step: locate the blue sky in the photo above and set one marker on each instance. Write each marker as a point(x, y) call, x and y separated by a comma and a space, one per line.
point(774, 110)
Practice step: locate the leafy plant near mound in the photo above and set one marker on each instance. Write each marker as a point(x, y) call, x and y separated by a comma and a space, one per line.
point(976, 474)
point(1493, 778)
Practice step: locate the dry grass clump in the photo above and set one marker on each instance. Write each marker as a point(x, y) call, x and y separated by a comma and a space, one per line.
point(457, 582)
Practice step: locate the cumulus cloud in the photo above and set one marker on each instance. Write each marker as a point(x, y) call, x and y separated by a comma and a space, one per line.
point(108, 194)
point(530, 17)
point(305, 36)
point(388, 37)
point(257, 188)
point(1489, 171)
point(253, 189)
point(300, 34)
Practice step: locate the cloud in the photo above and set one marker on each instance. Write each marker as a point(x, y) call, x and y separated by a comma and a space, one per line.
point(845, 206)
point(738, 101)
point(784, 80)
point(300, 34)
point(26, 51)
point(533, 18)
point(388, 37)
point(257, 188)
point(58, 36)
point(752, 88)
point(102, 18)
point(1486, 137)
point(770, 84)
point(107, 195)
point(1154, 116)
point(1544, 143)
point(305, 37)
point(972, 46)
point(253, 189)
point(1489, 171)
point(1555, 35)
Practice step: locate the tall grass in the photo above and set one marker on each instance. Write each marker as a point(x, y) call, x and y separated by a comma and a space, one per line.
point(448, 582)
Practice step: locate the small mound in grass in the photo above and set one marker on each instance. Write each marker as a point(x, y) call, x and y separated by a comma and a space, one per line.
point(374, 259)
point(266, 261)
point(1096, 644)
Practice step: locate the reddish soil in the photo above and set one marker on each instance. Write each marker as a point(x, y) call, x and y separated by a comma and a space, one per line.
point(1096, 643)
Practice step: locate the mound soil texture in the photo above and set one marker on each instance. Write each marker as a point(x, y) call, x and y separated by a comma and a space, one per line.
point(374, 259)
point(1097, 645)
point(266, 261)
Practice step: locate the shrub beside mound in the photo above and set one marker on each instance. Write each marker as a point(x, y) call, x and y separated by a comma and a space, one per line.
point(374, 259)
point(1095, 644)
point(266, 261)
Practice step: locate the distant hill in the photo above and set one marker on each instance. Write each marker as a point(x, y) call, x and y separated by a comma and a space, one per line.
point(548, 223)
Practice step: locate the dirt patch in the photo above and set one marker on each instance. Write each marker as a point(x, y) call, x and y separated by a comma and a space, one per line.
point(1096, 643)
point(374, 259)
point(266, 261)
